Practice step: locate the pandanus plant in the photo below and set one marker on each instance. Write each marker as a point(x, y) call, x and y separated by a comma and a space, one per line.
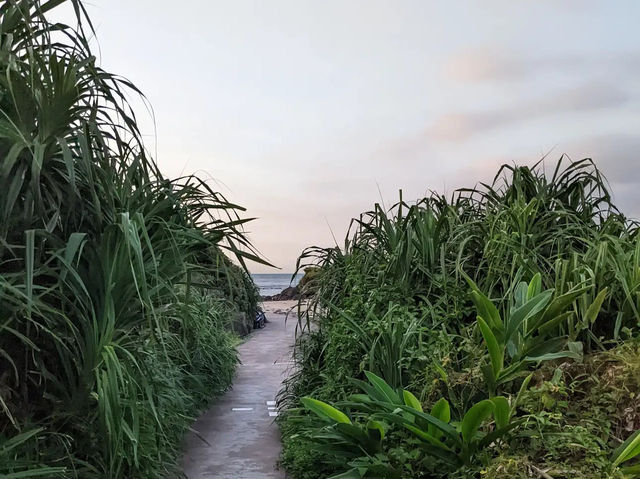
point(98, 251)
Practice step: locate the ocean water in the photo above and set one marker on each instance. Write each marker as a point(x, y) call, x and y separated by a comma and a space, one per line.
point(271, 284)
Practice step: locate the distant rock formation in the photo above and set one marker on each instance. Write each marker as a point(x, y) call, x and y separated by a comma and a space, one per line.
point(303, 290)
point(286, 294)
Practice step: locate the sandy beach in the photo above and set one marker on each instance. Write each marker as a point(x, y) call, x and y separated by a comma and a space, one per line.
point(289, 307)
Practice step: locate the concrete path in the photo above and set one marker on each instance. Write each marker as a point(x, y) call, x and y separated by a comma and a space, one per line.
point(242, 441)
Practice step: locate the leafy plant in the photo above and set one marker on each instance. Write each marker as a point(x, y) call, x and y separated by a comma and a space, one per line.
point(114, 321)
point(553, 224)
point(349, 440)
point(529, 333)
point(386, 340)
point(454, 443)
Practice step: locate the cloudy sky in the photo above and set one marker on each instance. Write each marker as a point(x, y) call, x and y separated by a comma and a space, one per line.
point(308, 112)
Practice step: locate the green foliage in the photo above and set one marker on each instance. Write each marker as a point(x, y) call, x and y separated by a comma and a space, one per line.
point(356, 442)
point(115, 291)
point(307, 284)
point(530, 334)
point(554, 273)
point(576, 415)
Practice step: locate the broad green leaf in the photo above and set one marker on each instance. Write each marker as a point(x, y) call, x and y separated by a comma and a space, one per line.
point(551, 356)
point(325, 411)
point(496, 352)
point(383, 388)
point(487, 310)
point(553, 349)
point(535, 286)
point(373, 393)
point(474, 418)
point(521, 391)
point(353, 433)
point(447, 457)
point(411, 401)
point(513, 371)
point(576, 347)
point(526, 311)
point(502, 411)
point(549, 325)
point(594, 308)
point(442, 411)
point(560, 304)
point(449, 430)
point(497, 433)
point(363, 398)
point(425, 436)
point(520, 294)
point(552, 345)
point(421, 432)
point(373, 425)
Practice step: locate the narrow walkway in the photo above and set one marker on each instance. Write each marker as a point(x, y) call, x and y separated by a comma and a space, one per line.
point(237, 437)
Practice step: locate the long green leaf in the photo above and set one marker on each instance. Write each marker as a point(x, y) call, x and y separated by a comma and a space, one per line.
point(474, 418)
point(594, 308)
point(496, 352)
point(383, 388)
point(627, 450)
point(411, 401)
point(441, 411)
point(502, 411)
point(325, 411)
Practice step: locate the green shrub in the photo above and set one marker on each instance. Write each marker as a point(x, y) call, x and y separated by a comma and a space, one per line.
point(361, 443)
point(113, 330)
point(555, 268)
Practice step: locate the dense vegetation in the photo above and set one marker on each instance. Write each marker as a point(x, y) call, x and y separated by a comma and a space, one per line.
point(493, 334)
point(116, 296)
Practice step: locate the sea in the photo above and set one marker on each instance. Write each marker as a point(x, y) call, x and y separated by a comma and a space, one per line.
point(271, 284)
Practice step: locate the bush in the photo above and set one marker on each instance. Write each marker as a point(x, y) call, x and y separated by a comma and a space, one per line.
point(465, 298)
point(114, 317)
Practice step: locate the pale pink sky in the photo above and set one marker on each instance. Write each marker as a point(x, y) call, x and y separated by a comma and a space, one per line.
point(303, 111)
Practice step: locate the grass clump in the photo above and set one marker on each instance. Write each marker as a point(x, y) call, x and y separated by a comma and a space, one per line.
point(512, 305)
point(116, 294)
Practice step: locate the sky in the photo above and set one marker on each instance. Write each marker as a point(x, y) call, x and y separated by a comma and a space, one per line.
point(309, 112)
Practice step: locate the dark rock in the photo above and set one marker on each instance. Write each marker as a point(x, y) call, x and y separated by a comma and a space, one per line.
point(287, 294)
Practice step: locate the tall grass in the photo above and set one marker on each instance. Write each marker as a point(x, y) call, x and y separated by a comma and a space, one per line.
point(115, 291)
point(561, 225)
